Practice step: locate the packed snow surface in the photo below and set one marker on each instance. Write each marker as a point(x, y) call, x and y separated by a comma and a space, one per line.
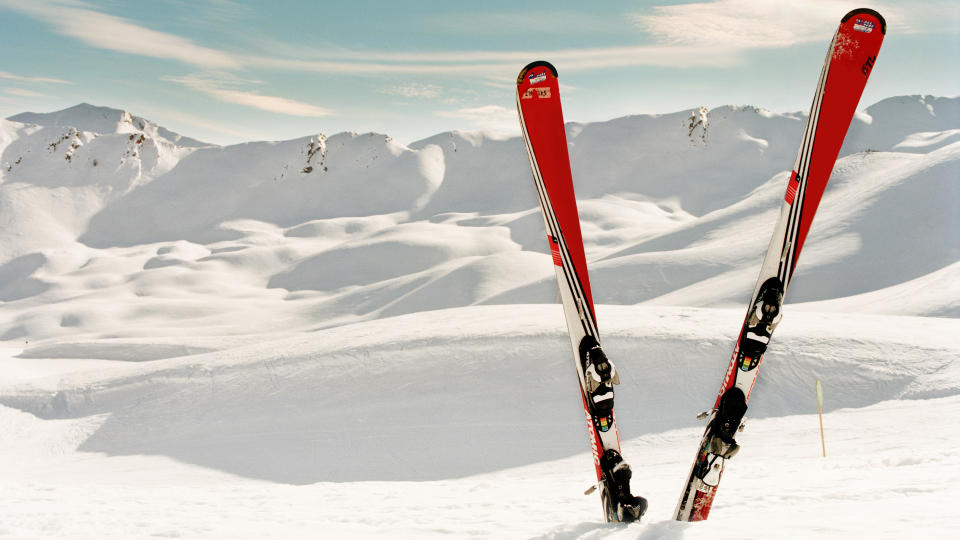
point(342, 336)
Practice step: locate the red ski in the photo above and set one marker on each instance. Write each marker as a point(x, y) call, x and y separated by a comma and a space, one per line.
point(849, 61)
point(541, 119)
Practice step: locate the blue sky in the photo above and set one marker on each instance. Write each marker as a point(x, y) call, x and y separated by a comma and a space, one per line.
point(227, 71)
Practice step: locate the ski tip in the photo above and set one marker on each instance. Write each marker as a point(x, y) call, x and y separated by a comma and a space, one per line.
point(867, 11)
point(531, 65)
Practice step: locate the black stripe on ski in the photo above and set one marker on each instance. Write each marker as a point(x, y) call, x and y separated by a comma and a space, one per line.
point(570, 271)
point(789, 245)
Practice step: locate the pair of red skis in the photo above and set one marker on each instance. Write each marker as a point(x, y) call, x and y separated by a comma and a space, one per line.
point(848, 65)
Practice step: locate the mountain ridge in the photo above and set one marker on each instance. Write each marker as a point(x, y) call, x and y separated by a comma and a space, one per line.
point(99, 119)
point(675, 209)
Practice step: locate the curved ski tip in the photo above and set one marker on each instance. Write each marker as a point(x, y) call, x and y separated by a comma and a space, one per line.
point(538, 63)
point(868, 11)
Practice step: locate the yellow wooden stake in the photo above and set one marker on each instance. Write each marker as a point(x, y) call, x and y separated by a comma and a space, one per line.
point(823, 444)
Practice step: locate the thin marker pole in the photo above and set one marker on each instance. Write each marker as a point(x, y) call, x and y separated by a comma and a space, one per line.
point(823, 444)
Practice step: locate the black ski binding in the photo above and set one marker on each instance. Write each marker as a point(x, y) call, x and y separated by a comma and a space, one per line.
point(733, 405)
point(599, 375)
point(763, 318)
point(721, 445)
point(621, 505)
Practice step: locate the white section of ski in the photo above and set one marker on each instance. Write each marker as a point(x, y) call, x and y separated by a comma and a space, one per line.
point(802, 168)
point(579, 318)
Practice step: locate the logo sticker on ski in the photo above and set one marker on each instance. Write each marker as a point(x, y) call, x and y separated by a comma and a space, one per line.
point(541, 93)
point(792, 188)
point(864, 26)
point(555, 252)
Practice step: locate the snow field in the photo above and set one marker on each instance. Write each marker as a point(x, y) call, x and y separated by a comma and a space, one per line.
point(347, 335)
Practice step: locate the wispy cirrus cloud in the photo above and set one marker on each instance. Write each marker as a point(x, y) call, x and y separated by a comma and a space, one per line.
point(413, 90)
point(217, 128)
point(762, 24)
point(702, 34)
point(11, 76)
point(741, 24)
point(487, 63)
point(494, 117)
point(221, 89)
point(24, 93)
point(81, 21)
point(530, 22)
point(78, 20)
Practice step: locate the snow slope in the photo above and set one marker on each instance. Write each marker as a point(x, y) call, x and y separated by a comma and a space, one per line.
point(259, 340)
point(357, 227)
point(335, 392)
point(299, 434)
point(104, 120)
point(843, 496)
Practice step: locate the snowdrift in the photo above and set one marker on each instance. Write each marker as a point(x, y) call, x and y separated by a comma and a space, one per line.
point(453, 393)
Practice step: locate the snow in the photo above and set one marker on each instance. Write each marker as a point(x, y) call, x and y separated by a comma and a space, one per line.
point(348, 337)
point(104, 120)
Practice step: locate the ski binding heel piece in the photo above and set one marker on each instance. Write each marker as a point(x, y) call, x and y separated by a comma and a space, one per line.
point(622, 505)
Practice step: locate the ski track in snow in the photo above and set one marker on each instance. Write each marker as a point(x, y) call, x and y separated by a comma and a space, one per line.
point(347, 337)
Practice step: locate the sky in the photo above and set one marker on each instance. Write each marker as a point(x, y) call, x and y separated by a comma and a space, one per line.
point(226, 71)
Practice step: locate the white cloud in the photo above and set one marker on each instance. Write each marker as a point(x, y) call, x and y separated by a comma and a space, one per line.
point(499, 83)
point(494, 117)
point(927, 16)
point(77, 20)
point(11, 76)
point(702, 34)
point(414, 90)
point(498, 63)
point(761, 24)
point(219, 90)
point(742, 24)
point(234, 133)
point(530, 22)
point(24, 93)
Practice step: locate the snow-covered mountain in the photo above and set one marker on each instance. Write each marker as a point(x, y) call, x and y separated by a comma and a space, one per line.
point(676, 209)
point(245, 320)
point(104, 120)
